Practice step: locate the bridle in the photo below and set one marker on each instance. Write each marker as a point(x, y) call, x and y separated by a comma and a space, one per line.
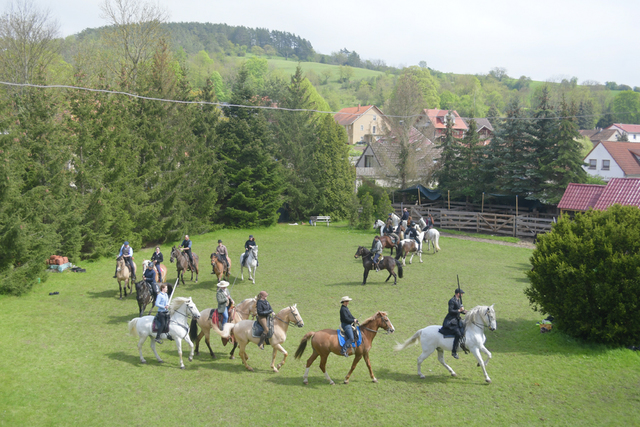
point(185, 327)
point(289, 322)
point(488, 314)
point(386, 323)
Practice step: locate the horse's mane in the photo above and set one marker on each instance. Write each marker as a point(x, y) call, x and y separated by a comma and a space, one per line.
point(475, 314)
point(372, 318)
point(176, 303)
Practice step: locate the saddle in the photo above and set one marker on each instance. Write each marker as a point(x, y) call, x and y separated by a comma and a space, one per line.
point(448, 333)
point(257, 329)
point(357, 337)
point(154, 325)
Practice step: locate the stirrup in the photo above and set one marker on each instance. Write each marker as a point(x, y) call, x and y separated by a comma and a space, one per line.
point(455, 355)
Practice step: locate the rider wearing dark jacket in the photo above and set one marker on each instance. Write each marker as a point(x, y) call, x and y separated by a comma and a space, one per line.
point(264, 310)
point(150, 278)
point(453, 322)
point(346, 320)
point(405, 215)
point(247, 247)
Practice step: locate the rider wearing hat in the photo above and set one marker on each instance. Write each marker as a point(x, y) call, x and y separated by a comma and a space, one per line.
point(247, 247)
point(222, 250)
point(264, 310)
point(224, 301)
point(346, 320)
point(453, 322)
point(126, 252)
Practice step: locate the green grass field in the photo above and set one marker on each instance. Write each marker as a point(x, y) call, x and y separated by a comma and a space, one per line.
point(67, 358)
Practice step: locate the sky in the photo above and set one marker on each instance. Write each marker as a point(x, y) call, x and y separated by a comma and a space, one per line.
point(546, 40)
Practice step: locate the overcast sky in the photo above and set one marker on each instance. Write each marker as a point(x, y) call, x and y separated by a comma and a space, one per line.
point(543, 39)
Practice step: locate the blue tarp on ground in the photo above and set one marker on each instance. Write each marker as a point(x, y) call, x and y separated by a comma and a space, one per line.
point(60, 268)
point(424, 192)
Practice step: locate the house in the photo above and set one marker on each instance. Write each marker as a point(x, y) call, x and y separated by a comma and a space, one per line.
point(612, 159)
point(484, 129)
point(598, 135)
point(432, 123)
point(362, 123)
point(378, 162)
point(582, 197)
point(632, 131)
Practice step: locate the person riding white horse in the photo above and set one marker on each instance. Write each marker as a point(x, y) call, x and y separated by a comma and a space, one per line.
point(452, 322)
point(247, 247)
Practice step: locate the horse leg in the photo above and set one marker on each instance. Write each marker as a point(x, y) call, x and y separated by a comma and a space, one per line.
point(243, 356)
point(441, 359)
point(207, 341)
point(364, 278)
point(179, 347)
point(476, 353)
point(420, 255)
point(323, 368)
point(191, 347)
point(310, 361)
point(242, 272)
point(120, 285)
point(411, 259)
point(368, 362)
point(353, 366)
point(277, 348)
point(235, 344)
point(140, 342)
point(153, 347)
point(488, 353)
point(421, 358)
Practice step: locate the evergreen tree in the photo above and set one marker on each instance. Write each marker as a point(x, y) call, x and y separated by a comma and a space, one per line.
point(469, 182)
point(586, 118)
point(542, 140)
point(449, 164)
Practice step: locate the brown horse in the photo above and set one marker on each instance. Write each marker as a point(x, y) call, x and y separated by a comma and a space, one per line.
point(182, 262)
point(219, 267)
point(325, 342)
point(242, 311)
point(387, 263)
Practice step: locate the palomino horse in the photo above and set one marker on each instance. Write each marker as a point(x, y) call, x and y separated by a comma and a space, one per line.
point(124, 275)
point(251, 262)
point(475, 321)
point(325, 342)
point(432, 236)
point(179, 309)
point(242, 312)
point(219, 267)
point(242, 332)
point(159, 277)
point(144, 296)
point(182, 262)
point(387, 263)
point(410, 246)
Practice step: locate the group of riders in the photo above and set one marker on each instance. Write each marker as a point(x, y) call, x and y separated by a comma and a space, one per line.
point(395, 233)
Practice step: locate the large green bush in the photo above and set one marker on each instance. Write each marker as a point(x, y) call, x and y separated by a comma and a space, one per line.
point(586, 274)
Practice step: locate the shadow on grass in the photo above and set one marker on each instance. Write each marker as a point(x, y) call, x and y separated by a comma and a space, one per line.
point(131, 359)
point(369, 282)
point(440, 375)
point(110, 293)
point(123, 320)
point(296, 381)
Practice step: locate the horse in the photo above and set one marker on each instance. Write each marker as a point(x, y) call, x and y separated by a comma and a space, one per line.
point(182, 262)
point(179, 309)
point(160, 277)
point(410, 246)
point(325, 342)
point(242, 333)
point(252, 263)
point(242, 312)
point(219, 267)
point(474, 322)
point(387, 263)
point(144, 296)
point(124, 275)
point(387, 241)
point(432, 236)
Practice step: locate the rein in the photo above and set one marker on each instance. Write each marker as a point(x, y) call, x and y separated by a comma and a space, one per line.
point(290, 323)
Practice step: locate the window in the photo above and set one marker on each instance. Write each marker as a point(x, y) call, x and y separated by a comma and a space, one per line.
point(592, 163)
point(374, 129)
point(605, 165)
point(361, 127)
point(367, 161)
point(374, 117)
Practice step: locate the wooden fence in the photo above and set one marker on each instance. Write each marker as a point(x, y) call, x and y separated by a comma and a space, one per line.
point(490, 223)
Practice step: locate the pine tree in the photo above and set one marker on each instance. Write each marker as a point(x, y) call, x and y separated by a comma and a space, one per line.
point(542, 139)
point(469, 182)
point(447, 174)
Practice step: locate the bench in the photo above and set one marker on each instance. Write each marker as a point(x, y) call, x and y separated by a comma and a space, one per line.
point(314, 219)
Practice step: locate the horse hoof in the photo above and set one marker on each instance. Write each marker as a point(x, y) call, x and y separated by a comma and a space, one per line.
point(160, 361)
point(488, 380)
point(305, 382)
point(346, 381)
point(197, 353)
point(143, 361)
point(182, 367)
point(332, 383)
point(422, 377)
point(250, 369)
point(191, 359)
point(232, 357)
point(375, 380)
point(454, 375)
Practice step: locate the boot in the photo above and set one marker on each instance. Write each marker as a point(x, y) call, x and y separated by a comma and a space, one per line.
point(454, 352)
point(263, 337)
point(344, 351)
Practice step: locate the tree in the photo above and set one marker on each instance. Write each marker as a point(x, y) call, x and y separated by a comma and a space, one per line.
point(345, 72)
point(626, 107)
point(28, 42)
point(427, 84)
point(542, 141)
point(594, 258)
point(448, 165)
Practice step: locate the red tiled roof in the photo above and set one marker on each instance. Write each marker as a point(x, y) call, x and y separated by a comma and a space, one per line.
point(437, 118)
point(348, 115)
point(624, 191)
point(623, 154)
point(627, 128)
point(580, 197)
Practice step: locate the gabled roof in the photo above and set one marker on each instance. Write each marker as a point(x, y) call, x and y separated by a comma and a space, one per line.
point(386, 147)
point(625, 154)
point(597, 135)
point(624, 191)
point(580, 197)
point(481, 122)
point(436, 117)
point(625, 127)
point(348, 115)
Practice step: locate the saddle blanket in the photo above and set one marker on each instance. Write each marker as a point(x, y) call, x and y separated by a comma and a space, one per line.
point(448, 333)
point(257, 329)
point(154, 325)
point(341, 338)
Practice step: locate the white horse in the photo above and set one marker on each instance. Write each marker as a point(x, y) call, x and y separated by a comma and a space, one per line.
point(475, 321)
point(179, 309)
point(395, 219)
point(379, 225)
point(252, 264)
point(410, 246)
point(432, 236)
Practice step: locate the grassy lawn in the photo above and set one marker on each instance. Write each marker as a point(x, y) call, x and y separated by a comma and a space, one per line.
point(67, 359)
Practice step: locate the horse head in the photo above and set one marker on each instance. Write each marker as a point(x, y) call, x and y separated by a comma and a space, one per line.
point(384, 322)
point(491, 317)
point(297, 319)
point(378, 224)
point(173, 254)
point(192, 308)
point(359, 252)
point(254, 251)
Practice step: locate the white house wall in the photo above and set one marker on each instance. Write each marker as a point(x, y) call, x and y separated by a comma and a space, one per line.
point(600, 153)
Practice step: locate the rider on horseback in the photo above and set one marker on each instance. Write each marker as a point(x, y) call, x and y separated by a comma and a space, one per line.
point(185, 247)
point(264, 310)
point(222, 251)
point(156, 259)
point(126, 252)
point(412, 233)
point(150, 278)
point(224, 301)
point(376, 251)
point(346, 320)
point(405, 215)
point(247, 247)
point(162, 302)
point(453, 321)
point(389, 231)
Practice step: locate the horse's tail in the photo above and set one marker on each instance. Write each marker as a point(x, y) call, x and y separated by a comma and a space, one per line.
point(407, 343)
point(303, 344)
point(399, 250)
point(133, 331)
point(193, 330)
point(399, 265)
point(226, 331)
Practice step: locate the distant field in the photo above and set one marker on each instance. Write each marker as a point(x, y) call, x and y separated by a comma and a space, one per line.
point(67, 358)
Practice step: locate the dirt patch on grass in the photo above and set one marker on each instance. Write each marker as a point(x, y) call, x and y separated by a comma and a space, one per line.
point(523, 243)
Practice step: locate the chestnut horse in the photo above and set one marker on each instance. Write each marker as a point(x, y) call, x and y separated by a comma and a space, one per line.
point(219, 268)
point(325, 342)
point(242, 312)
point(182, 262)
point(387, 263)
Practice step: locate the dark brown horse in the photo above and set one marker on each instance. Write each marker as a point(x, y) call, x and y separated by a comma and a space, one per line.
point(144, 296)
point(182, 262)
point(387, 263)
point(325, 342)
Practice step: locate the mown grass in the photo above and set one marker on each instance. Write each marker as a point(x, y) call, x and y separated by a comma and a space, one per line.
point(67, 359)
point(482, 236)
